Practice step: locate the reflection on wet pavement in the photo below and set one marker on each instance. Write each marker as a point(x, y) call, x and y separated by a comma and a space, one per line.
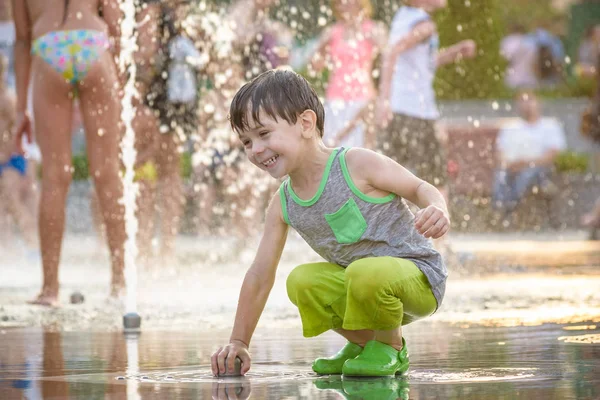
point(446, 362)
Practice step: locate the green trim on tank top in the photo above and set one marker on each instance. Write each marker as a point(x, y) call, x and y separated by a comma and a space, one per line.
point(355, 190)
point(315, 198)
point(284, 210)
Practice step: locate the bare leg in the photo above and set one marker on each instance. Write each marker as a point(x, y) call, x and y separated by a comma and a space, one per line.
point(207, 198)
point(392, 337)
point(145, 215)
point(24, 216)
point(171, 190)
point(5, 221)
point(99, 226)
point(30, 194)
point(53, 108)
point(360, 337)
point(100, 109)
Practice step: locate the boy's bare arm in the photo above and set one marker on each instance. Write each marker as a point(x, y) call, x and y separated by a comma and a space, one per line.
point(255, 291)
point(261, 275)
point(370, 170)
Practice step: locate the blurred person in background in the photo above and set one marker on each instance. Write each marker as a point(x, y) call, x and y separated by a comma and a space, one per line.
point(145, 126)
point(50, 36)
point(589, 50)
point(550, 56)
point(589, 67)
point(173, 95)
point(18, 193)
point(263, 42)
point(526, 152)
point(406, 106)
point(348, 49)
point(521, 52)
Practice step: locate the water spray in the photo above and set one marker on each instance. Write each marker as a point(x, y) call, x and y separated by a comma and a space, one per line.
point(131, 319)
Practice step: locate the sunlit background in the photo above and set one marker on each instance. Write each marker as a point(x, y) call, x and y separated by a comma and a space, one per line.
point(521, 316)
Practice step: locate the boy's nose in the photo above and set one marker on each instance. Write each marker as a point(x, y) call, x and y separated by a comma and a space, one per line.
point(257, 147)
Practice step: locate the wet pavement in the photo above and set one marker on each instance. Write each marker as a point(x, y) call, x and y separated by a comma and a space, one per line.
point(514, 329)
point(451, 362)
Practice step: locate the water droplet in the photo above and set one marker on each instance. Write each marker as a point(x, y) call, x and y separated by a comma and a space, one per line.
point(459, 27)
point(495, 105)
point(322, 21)
point(79, 15)
point(101, 132)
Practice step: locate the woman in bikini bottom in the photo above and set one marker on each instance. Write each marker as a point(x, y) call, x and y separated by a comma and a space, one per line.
point(73, 59)
point(71, 53)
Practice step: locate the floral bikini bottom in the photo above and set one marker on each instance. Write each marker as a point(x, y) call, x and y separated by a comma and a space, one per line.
point(71, 53)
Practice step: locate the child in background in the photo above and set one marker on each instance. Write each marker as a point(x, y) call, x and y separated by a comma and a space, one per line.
point(406, 95)
point(349, 49)
point(17, 193)
point(380, 270)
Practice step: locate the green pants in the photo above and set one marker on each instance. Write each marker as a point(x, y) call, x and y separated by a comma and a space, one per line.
point(378, 293)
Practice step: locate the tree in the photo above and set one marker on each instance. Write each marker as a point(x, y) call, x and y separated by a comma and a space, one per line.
point(483, 76)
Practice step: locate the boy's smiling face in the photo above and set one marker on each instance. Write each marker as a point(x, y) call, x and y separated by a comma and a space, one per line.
point(273, 145)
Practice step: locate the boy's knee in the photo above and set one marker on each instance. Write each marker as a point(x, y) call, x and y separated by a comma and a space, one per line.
point(300, 280)
point(363, 276)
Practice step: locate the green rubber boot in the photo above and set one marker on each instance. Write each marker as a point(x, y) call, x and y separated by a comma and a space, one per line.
point(333, 365)
point(378, 359)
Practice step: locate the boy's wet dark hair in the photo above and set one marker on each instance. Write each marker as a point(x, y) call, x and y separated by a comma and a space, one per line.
point(280, 94)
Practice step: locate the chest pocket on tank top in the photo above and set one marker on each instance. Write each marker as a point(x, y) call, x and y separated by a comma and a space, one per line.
point(347, 223)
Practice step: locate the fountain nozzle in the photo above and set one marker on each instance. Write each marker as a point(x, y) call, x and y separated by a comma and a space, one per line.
point(132, 322)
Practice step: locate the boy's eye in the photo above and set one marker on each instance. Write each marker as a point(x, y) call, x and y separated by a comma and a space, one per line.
point(263, 133)
point(246, 143)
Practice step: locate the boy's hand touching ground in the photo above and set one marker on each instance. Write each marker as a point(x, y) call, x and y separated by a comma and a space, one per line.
point(432, 222)
point(234, 349)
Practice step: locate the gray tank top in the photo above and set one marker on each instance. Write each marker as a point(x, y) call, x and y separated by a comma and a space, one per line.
point(343, 225)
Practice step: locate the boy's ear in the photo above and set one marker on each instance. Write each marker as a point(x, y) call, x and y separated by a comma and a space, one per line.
point(308, 121)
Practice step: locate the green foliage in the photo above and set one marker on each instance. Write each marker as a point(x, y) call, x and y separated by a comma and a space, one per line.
point(570, 161)
point(81, 167)
point(532, 14)
point(186, 165)
point(573, 87)
point(483, 76)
